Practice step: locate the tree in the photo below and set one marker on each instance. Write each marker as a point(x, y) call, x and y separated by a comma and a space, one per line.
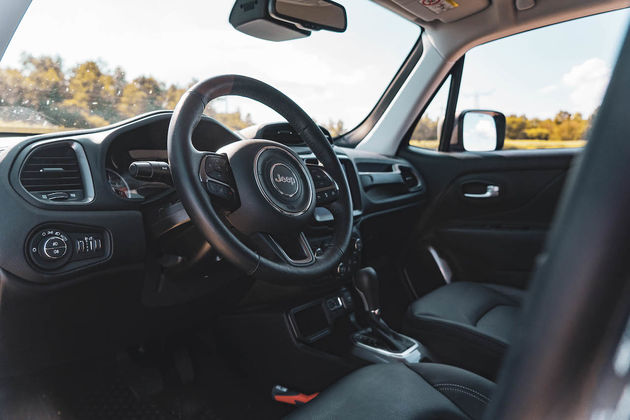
point(564, 126)
point(515, 126)
point(93, 94)
point(172, 96)
point(537, 133)
point(45, 82)
point(233, 120)
point(88, 95)
point(335, 128)
point(142, 95)
point(426, 129)
point(562, 117)
point(13, 87)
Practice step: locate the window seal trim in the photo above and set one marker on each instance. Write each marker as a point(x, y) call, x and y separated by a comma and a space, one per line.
point(451, 106)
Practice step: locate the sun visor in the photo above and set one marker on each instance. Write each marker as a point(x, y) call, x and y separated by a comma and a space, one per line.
point(443, 10)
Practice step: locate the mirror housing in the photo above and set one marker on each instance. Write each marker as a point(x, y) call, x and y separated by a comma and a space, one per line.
point(283, 20)
point(481, 130)
point(253, 18)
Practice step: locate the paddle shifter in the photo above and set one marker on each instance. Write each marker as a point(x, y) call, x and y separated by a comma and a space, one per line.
point(378, 342)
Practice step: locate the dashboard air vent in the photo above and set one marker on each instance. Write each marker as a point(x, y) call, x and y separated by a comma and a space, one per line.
point(409, 177)
point(52, 172)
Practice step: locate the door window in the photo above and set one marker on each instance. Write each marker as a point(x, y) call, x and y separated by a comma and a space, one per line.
point(549, 82)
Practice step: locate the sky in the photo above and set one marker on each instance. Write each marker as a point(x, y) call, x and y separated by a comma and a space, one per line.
point(332, 76)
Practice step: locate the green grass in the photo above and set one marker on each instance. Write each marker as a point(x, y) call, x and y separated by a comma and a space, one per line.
point(514, 144)
point(527, 144)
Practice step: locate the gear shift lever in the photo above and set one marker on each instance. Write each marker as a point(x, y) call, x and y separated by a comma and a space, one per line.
point(366, 283)
point(379, 338)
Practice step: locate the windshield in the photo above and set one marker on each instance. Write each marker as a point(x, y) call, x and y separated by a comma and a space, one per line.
point(74, 64)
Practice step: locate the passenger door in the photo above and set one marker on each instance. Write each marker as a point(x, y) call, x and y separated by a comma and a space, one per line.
point(550, 93)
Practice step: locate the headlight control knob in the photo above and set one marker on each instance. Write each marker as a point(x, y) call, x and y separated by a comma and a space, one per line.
point(50, 248)
point(54, 248)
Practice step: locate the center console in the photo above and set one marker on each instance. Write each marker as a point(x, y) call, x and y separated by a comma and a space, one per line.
point(348, 324)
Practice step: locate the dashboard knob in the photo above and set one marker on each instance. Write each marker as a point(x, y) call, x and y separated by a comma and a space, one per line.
point(358, 245)
point(53, 248)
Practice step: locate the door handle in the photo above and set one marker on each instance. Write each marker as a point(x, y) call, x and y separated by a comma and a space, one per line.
point(491, 192)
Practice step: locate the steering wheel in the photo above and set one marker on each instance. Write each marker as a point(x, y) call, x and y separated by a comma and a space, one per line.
point(252, 199)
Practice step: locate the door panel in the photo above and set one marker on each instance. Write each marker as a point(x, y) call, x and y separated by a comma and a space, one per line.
point(494, 238)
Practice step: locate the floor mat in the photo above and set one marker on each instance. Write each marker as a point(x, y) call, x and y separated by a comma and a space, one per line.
point(116, 401)
point(110, 389)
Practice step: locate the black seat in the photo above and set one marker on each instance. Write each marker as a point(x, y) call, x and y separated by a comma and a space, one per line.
point(466, 324)
point(398, 391)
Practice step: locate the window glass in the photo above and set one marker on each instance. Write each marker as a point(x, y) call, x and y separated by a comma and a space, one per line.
point(426, 134)
point(548, 82)
point(74, 64)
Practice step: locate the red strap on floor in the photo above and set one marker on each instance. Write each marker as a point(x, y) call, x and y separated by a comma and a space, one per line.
point(284, 395)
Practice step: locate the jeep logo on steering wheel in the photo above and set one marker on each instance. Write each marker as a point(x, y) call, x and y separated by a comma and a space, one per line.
point(284, 180)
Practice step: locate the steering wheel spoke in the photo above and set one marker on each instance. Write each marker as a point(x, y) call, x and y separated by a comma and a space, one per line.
point(216, 174)
point(291, 249)
point(326, 189)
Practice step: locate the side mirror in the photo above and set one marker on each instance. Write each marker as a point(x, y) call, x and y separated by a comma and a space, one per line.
point(282, 20)
point(481, 130)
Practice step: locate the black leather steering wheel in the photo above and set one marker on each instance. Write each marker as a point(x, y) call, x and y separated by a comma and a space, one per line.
point(252, 199)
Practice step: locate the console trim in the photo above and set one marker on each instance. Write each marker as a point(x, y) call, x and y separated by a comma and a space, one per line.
point(400, 355)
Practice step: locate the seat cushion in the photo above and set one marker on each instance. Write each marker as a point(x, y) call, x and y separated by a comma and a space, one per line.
point(398, 391)
point(466, 324)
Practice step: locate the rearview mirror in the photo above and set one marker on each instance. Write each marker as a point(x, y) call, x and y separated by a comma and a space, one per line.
point(312, 15)
point(282, 20)
point(481, 130)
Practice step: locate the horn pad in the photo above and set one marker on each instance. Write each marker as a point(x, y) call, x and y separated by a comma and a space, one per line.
point(282, 181)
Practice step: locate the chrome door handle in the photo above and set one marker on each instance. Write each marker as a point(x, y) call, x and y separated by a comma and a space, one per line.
point(491, 191)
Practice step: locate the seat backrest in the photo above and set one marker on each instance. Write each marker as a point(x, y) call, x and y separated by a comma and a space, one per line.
point(578, 305)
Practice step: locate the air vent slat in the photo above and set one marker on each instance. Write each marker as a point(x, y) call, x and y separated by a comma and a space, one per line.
point(53, 167)
point(37, 173)
point(50, 163)
point(50, 174)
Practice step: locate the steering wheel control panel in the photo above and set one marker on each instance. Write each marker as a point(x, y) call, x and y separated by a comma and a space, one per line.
point(64, 246)
point(349, 263)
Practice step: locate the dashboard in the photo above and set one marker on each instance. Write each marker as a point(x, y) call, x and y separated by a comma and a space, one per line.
point(87, 191)
point(93, 252)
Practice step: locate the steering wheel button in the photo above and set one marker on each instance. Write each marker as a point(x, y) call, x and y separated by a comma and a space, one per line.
point(220, 190)
point(217, 167)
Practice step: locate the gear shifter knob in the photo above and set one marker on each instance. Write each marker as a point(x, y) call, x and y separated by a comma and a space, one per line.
point(366, 283)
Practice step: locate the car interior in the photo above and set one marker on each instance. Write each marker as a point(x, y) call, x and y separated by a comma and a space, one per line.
point(171, 266)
